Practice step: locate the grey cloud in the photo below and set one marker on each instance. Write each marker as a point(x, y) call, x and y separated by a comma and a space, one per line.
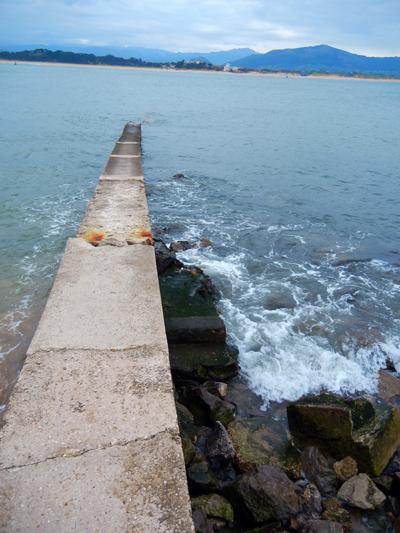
point(370, 26)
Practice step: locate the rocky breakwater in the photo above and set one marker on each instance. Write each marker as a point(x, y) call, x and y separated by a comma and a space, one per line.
point(336, 470)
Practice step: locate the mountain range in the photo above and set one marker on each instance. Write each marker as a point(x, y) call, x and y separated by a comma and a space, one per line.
point(320, 58)
point(310, 59)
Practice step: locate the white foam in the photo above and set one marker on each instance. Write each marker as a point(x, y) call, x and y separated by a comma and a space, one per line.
point(280, 362)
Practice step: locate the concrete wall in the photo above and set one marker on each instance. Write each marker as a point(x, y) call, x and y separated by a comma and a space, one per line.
point(91, 440)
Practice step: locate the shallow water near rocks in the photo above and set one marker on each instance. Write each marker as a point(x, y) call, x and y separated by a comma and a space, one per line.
point(295, 181)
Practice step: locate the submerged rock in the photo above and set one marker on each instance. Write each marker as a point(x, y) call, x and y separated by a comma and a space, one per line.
point(259, 443)
point(370, 433)
point(267, 493)
point(215, 506)
point(317, 469)
point(360, 491)
point(279, 301)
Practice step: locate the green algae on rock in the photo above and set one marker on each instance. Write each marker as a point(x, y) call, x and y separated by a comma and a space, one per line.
point(204, 361)
point(369, 432)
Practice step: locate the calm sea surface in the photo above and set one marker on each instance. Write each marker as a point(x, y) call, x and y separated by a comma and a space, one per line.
point(296, 182)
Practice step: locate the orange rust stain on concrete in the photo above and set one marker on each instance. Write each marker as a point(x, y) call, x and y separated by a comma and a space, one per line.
point(94, 236)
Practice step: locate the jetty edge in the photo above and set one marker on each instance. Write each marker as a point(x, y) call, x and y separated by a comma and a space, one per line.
point(90, 440)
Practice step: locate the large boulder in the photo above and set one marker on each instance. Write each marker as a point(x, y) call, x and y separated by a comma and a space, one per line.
point(266, 494)
point(361, 492)
point(188, 299)
point(259, 442)
point(203, 361)
point(369, 432)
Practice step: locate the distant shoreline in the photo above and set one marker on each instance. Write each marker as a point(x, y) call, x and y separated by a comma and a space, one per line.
point(252, 73)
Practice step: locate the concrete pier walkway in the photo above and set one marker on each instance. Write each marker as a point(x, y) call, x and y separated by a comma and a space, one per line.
point(91, 441)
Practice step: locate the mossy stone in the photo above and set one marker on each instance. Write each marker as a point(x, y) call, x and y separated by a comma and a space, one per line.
point(214, 506)
point(186, 292)
point(369, 432)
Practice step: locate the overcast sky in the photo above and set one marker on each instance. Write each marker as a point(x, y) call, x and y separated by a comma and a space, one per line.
point(365, 26)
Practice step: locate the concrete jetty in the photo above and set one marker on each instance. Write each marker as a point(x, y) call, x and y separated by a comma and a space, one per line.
point(90, 441)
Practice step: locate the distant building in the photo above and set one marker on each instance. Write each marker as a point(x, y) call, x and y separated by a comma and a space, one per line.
point(228, 68)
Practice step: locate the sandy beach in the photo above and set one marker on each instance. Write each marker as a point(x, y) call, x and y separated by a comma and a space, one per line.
point(251, 73)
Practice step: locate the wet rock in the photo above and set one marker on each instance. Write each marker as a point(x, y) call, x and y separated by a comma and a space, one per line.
point(267, 493)
point(219, 446)
point(394, 505)
point(384, 483)
point(389, 387)
point(165, 259)
point(334, 512)
point(179, 176)
point(360, 491)
point(394, 464)
point(206, 407)
point(322, 526)
point(217, 409)
point(247, 402)
point(259, 443)
point(310, 499)
point(200, 475)
point(214, 506)
point(181, 246)
point(370, 433)
point(219, 388)
point(346, 468)
point(203, 361)
point(200, 522)
point(188, 431)
point(205, 243)
point(319, 471)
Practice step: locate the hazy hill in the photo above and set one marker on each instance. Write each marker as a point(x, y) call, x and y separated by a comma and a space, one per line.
point(153, 55)
point(321, 58)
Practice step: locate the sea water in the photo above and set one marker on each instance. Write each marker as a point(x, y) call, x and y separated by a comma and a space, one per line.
point(295, 181)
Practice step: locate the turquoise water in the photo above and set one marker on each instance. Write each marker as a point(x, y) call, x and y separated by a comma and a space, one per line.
point(296, 182)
